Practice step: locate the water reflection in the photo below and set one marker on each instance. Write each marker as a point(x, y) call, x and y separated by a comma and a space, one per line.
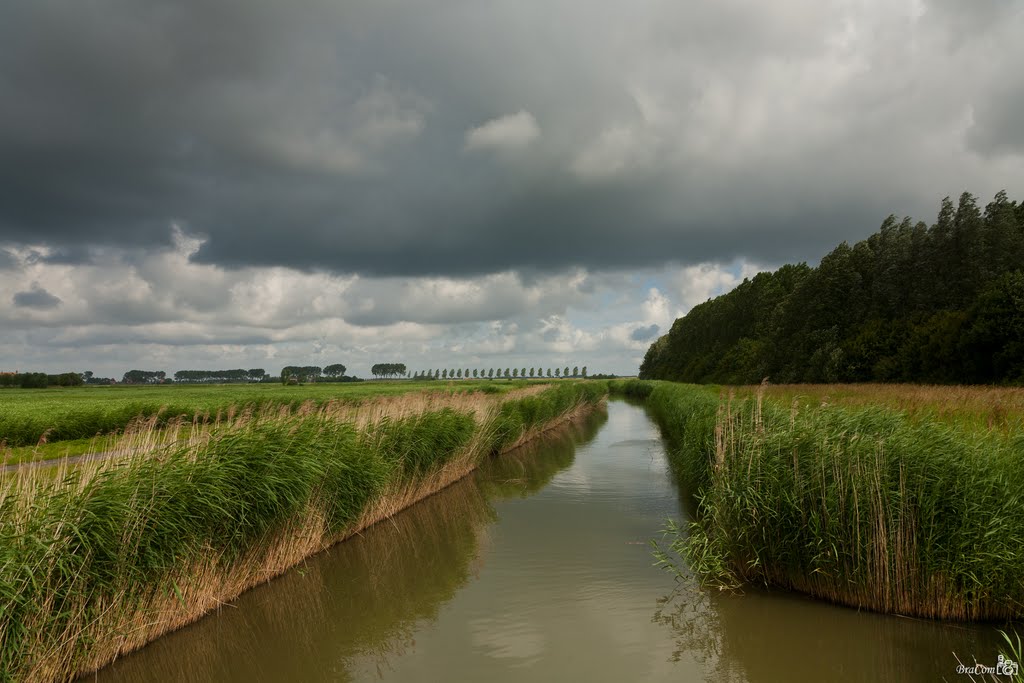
point(526, 470)
point(365, 597)
point(779, 636)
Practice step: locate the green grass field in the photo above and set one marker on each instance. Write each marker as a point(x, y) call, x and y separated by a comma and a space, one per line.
point(77, 414)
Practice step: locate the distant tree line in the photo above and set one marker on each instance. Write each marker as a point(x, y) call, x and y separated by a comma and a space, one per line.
point(89, 378)
point(310, 373)
point(219, 376)
point(297, 374)
point(40, 380)
point(911, 303)
point(388, 370)
point(144, 377)
point(314, 373)
point(491, 373)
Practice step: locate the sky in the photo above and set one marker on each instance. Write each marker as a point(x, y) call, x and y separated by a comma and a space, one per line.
point(462, 183)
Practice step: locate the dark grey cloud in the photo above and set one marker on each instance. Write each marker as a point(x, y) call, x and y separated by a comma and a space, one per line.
point(73, 254)
point(127, 338)
point(333, 136)
point(7, 260)
point(36, 297)
point(963, 22)
point(644, 333)
point(997, 129)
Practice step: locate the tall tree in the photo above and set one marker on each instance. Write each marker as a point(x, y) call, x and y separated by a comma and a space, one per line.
point(388, 370)
point(143, 377)
point(335, 370)
point(903, 305)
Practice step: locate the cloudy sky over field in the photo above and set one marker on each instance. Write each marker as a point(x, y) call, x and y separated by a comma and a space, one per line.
point(456, 183)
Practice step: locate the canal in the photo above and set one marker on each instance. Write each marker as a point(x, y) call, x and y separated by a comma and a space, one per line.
point(538, 567)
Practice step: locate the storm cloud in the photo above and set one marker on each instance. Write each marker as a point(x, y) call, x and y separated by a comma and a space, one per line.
point(644, 333)
point(36, 297)
point(349, 137)
point(482, 178)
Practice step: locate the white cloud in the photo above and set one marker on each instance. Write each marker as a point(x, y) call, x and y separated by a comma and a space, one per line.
point(696, 284)
point(158, 307)
point(512, 131)
point(616, 150)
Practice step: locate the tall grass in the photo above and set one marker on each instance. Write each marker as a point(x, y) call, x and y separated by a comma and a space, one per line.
point(521, 419)
point(859, 505)
point(99, 559)
point(977, 408)
point(391, 580)
point(29, 416)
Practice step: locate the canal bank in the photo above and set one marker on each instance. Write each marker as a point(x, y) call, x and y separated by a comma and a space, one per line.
point(538, 567)
point(99, 560)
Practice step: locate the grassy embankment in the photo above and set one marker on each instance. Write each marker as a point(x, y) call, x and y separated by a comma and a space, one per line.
point(391, 580)
point(39, 424)
point(916, 512)
point(104, 557)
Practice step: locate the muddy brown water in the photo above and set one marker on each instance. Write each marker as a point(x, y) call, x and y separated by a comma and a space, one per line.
point(538, 568)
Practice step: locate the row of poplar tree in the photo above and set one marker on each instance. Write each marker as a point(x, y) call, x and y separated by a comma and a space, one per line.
point(491, 373)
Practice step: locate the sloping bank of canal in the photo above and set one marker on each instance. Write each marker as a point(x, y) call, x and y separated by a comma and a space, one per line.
point(537, 567)
point(869, 507)
point(98, 559)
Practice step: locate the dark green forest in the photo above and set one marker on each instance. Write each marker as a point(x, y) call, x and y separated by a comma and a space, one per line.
point(940, 304)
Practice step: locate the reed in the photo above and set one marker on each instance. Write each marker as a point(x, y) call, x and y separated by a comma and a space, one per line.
point(98, 559)
point(863, 506)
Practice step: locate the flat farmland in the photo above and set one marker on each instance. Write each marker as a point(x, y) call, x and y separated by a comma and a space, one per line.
point(42, 418)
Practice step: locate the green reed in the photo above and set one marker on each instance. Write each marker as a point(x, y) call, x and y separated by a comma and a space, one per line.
point(517, 419)
point(102, 558)
point(861, 506)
